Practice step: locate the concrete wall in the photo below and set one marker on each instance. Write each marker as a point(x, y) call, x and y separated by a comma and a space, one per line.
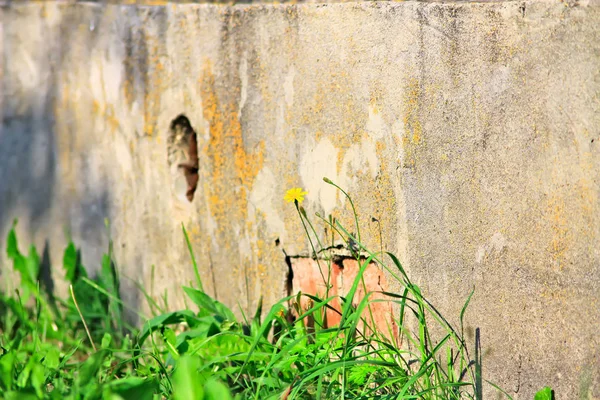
point(470, 130)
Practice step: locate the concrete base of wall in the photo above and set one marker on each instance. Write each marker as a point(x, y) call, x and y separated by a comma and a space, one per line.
point(469, 131)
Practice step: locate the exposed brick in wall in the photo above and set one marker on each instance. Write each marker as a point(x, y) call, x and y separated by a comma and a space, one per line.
point(309, 279)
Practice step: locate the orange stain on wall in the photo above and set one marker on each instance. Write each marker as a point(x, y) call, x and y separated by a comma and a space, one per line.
point(153, 89)
point(561, 236)
point(411, 118)
point(412, 124)
point(233, 169)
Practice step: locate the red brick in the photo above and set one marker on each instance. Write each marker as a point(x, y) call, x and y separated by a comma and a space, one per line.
point(310, 278)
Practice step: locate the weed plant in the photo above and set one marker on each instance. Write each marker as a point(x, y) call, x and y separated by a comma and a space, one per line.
point(79, 347)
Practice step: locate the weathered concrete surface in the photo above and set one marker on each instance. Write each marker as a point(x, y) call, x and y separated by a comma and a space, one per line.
point(470, 130)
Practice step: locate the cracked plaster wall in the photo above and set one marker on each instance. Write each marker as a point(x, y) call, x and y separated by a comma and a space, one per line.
point(471, 131)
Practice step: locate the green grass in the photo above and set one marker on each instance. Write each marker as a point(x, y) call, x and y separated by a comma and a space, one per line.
point(80, 348)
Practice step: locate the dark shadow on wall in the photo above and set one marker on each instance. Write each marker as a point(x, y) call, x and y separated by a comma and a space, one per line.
point(45, 171)
point(27, 173)
point(31, 188)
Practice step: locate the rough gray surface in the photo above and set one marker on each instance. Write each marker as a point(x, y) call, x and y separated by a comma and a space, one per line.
point(470, 130)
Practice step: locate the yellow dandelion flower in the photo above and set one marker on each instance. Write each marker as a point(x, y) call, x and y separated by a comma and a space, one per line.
point(295, 194)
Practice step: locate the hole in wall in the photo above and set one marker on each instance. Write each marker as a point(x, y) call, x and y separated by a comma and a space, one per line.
point(182, 155)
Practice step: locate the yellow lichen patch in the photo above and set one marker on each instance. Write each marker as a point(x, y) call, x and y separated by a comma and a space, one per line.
point(587, 196)
point(384, 196)
point(127, 86)
point(333, 111)
point(411, 116)
point(153, 90)
point(156, 2)
point(377, 95)
point(261, 251)
point(412, 125)
point(559, 224)
point(553, 293)
point(193, 230)
point(374, 108)
point(144, 2)
point(106, 113)
point(340, 160)
point(232, 168)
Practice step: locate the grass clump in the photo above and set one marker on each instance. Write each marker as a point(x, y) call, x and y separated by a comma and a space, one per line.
point(79, 347)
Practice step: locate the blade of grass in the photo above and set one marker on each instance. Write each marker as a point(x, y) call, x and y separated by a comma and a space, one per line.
point(82, 319)
point(193, 257)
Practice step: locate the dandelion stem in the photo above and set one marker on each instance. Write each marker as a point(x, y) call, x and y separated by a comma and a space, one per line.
point(302, 218)
point(327, 180)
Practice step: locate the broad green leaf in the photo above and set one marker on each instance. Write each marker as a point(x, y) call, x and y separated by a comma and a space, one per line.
point(545, 394)
point(52, 358)
point(7, 365)
point(110, 282)
point(158, 322)
point(69, 354)
point(12, 245)
point(215, 390)
point(255, 325)
point(186, 382)
point(92, 391)
point(90, 367)
point(19, 262)
point(204, 301)
point(108, 395)
point(170, 339)
point(21, 395)
point(32, 264)
point(25, 373)
point(107, 274)
point(70, 263)
point(38, 379)
point(106, 340)
point(132, 388)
